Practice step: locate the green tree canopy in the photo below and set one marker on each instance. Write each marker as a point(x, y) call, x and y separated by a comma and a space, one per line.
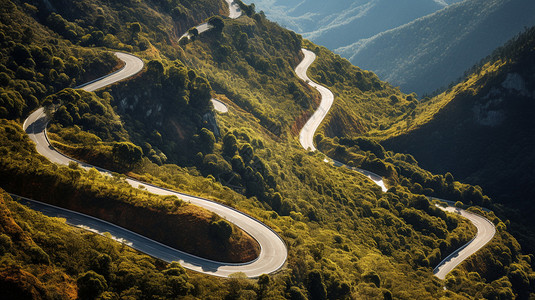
point(217, 22)
point(91, 285)
point(127, 153)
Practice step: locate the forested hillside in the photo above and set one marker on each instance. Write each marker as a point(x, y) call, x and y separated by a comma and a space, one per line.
point(346, 239)
point(431, 52)
point(493, 141)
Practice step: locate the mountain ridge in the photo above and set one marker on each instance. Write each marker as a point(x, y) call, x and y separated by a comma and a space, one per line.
point(419, 57)
point(346, 238)
point(492, 142)
point(319, 21)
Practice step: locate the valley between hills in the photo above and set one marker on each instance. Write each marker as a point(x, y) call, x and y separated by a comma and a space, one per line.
point(291, 232)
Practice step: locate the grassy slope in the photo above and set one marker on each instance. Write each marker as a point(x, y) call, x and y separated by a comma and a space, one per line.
point(492, 141)
point(252, 63)
point(425, 111)
point(42, 258)
point(346, 238)
point(291, 189)
point(112, 199)
point(363, 102)
point(97, 62)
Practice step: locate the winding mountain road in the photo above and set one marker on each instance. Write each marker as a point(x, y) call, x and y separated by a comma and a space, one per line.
point(219, 106)
point(485, 228)
point(306, 136)
point(273, 252)
point(234, 9)
point(200, 29)
point(35, 124)
point(485, 232)
point(234, 12)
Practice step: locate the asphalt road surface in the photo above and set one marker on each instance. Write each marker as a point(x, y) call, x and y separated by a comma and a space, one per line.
point(234, 12)
point(200, 29)
point(273, 250)
point(273, 253)
point(262, 265)
point(234, 9)
point(306, 136)
point(485, 233)
point(219, 106)
point(485, 228)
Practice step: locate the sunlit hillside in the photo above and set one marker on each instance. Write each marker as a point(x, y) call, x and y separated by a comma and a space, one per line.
point(341, 235)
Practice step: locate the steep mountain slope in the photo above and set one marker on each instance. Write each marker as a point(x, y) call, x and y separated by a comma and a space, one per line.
point(432, 51)
point(44, 258)
point(484, 132)
point(339, 23)
point(345, 237)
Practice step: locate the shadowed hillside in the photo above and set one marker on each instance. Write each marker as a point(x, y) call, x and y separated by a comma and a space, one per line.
point(346, 238)
point(485, 131)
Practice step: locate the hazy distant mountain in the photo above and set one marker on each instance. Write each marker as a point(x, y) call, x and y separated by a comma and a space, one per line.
point(435, 50)
point(339, 23)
